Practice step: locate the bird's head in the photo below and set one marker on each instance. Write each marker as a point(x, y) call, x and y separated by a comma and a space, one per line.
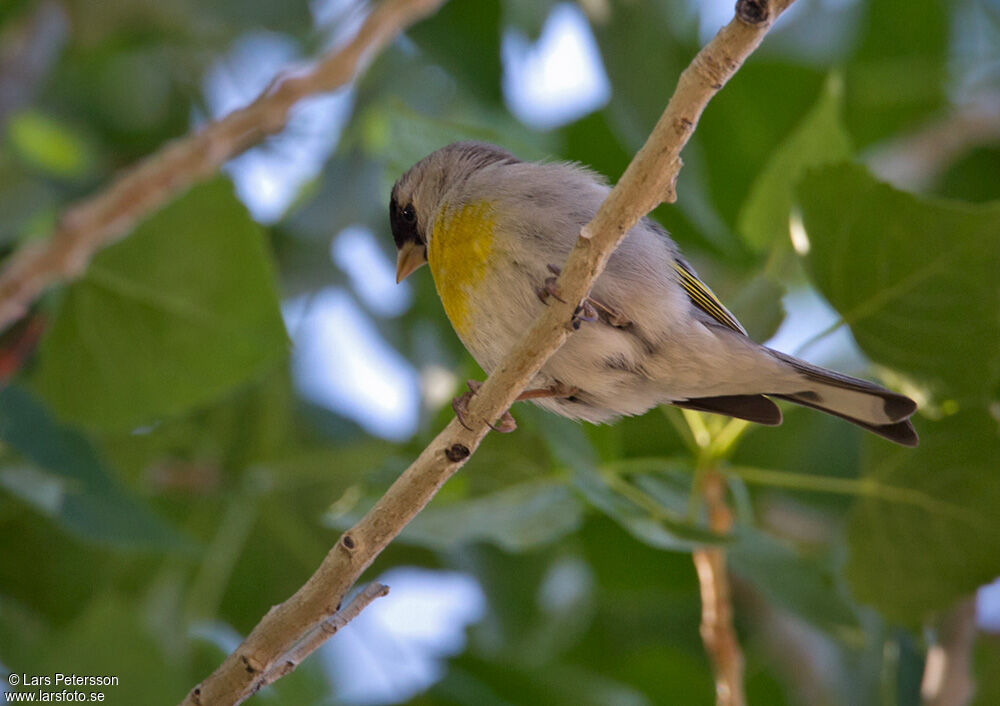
point(418, 195)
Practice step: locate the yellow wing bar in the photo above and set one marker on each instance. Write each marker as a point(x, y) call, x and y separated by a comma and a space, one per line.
point(703, 298)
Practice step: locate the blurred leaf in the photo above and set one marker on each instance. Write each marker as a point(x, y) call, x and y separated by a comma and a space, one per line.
point(987, 670)
point(806, 441)
point(564, 438)
point(49, 145)
point(344, 196)
point(917, 280)
point(642, 34)
point(897, 76)
point(135, 92)
point(403, 135)
point(135, 656)
point(80, 494)
point(527, 15)
point(591, 141)
point(794, 580)
point(502, 683)
point(50, 575)
point(818, 139)
point(517, 518)
point(746, 122)
point(649, 498)
point(287, 16)
point(11, 10)
point(172, 317)
point(912, 558)
point(973, 177)
point(27, 202)
point(760, 307)
point(464, 37)
point(104, 25)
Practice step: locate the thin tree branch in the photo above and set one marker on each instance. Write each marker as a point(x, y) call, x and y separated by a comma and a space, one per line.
point(103, 218)
point(717, 631)
point(323, 632)
point(648, 180)
point(915, 160)
point(948, 671)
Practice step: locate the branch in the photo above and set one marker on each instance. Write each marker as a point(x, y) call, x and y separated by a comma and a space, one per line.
point(717, 631)
point(103, 218)
point(948, 672)
point(323, 632)
point(648, 180)
point(914, 161)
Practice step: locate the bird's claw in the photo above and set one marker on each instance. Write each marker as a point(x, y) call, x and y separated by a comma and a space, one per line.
point(460, 404)
point(590, 309)
point(584, 312)
point(549, 289)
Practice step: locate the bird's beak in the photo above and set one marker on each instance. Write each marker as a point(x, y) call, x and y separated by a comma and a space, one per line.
point(410, 257)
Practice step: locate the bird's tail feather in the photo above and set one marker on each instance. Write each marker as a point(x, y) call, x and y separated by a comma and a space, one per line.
point(864, 403)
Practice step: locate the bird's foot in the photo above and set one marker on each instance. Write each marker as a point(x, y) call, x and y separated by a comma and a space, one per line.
point(556, 389)
point(549, 289)
point(584, 312)
point(611, 316)
point(590, 309)
point(460, 404)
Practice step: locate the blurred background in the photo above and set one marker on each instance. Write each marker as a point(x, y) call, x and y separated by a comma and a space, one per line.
point(186, 429)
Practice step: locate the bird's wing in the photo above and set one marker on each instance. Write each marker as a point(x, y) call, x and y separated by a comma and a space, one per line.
point(703, 298)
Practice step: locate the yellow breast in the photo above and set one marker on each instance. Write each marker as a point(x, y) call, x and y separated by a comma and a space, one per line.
point(458, 254)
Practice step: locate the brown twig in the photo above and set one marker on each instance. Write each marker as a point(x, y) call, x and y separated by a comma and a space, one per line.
point(323, 632)
point(948, 672)
point(915, 160)
point(110, 214)
point(647, 181)
point(717, 631)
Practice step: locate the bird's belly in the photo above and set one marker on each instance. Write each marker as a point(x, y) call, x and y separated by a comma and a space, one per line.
point(604, 363)
point(488, 289)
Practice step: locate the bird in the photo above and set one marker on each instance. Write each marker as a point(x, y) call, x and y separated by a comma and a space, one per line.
point(493, 230)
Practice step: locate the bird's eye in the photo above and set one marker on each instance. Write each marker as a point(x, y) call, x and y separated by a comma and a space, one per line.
point(409, 215)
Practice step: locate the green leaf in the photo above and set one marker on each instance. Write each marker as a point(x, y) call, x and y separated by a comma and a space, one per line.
point(917, 280)
point(464, 38)
point(501, 682)
point(172, 317)
point(641, 34)
point(135, 656)
point(797, 580)
point(987, 670)
point(911, 558)
point(49, 145)
point(402, 134)
point(750, 118)
point(564, 438)
point(819, 139)
point(973, 177)
point(898, 75)
point(517, 518)
point(649, 498)
point(527, 15)
point(78, 490)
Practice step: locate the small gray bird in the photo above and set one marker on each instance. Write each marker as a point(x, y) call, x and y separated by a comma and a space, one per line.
point(493, 229)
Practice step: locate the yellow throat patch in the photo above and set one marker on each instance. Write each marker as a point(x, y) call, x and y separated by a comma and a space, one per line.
point(458, 254)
